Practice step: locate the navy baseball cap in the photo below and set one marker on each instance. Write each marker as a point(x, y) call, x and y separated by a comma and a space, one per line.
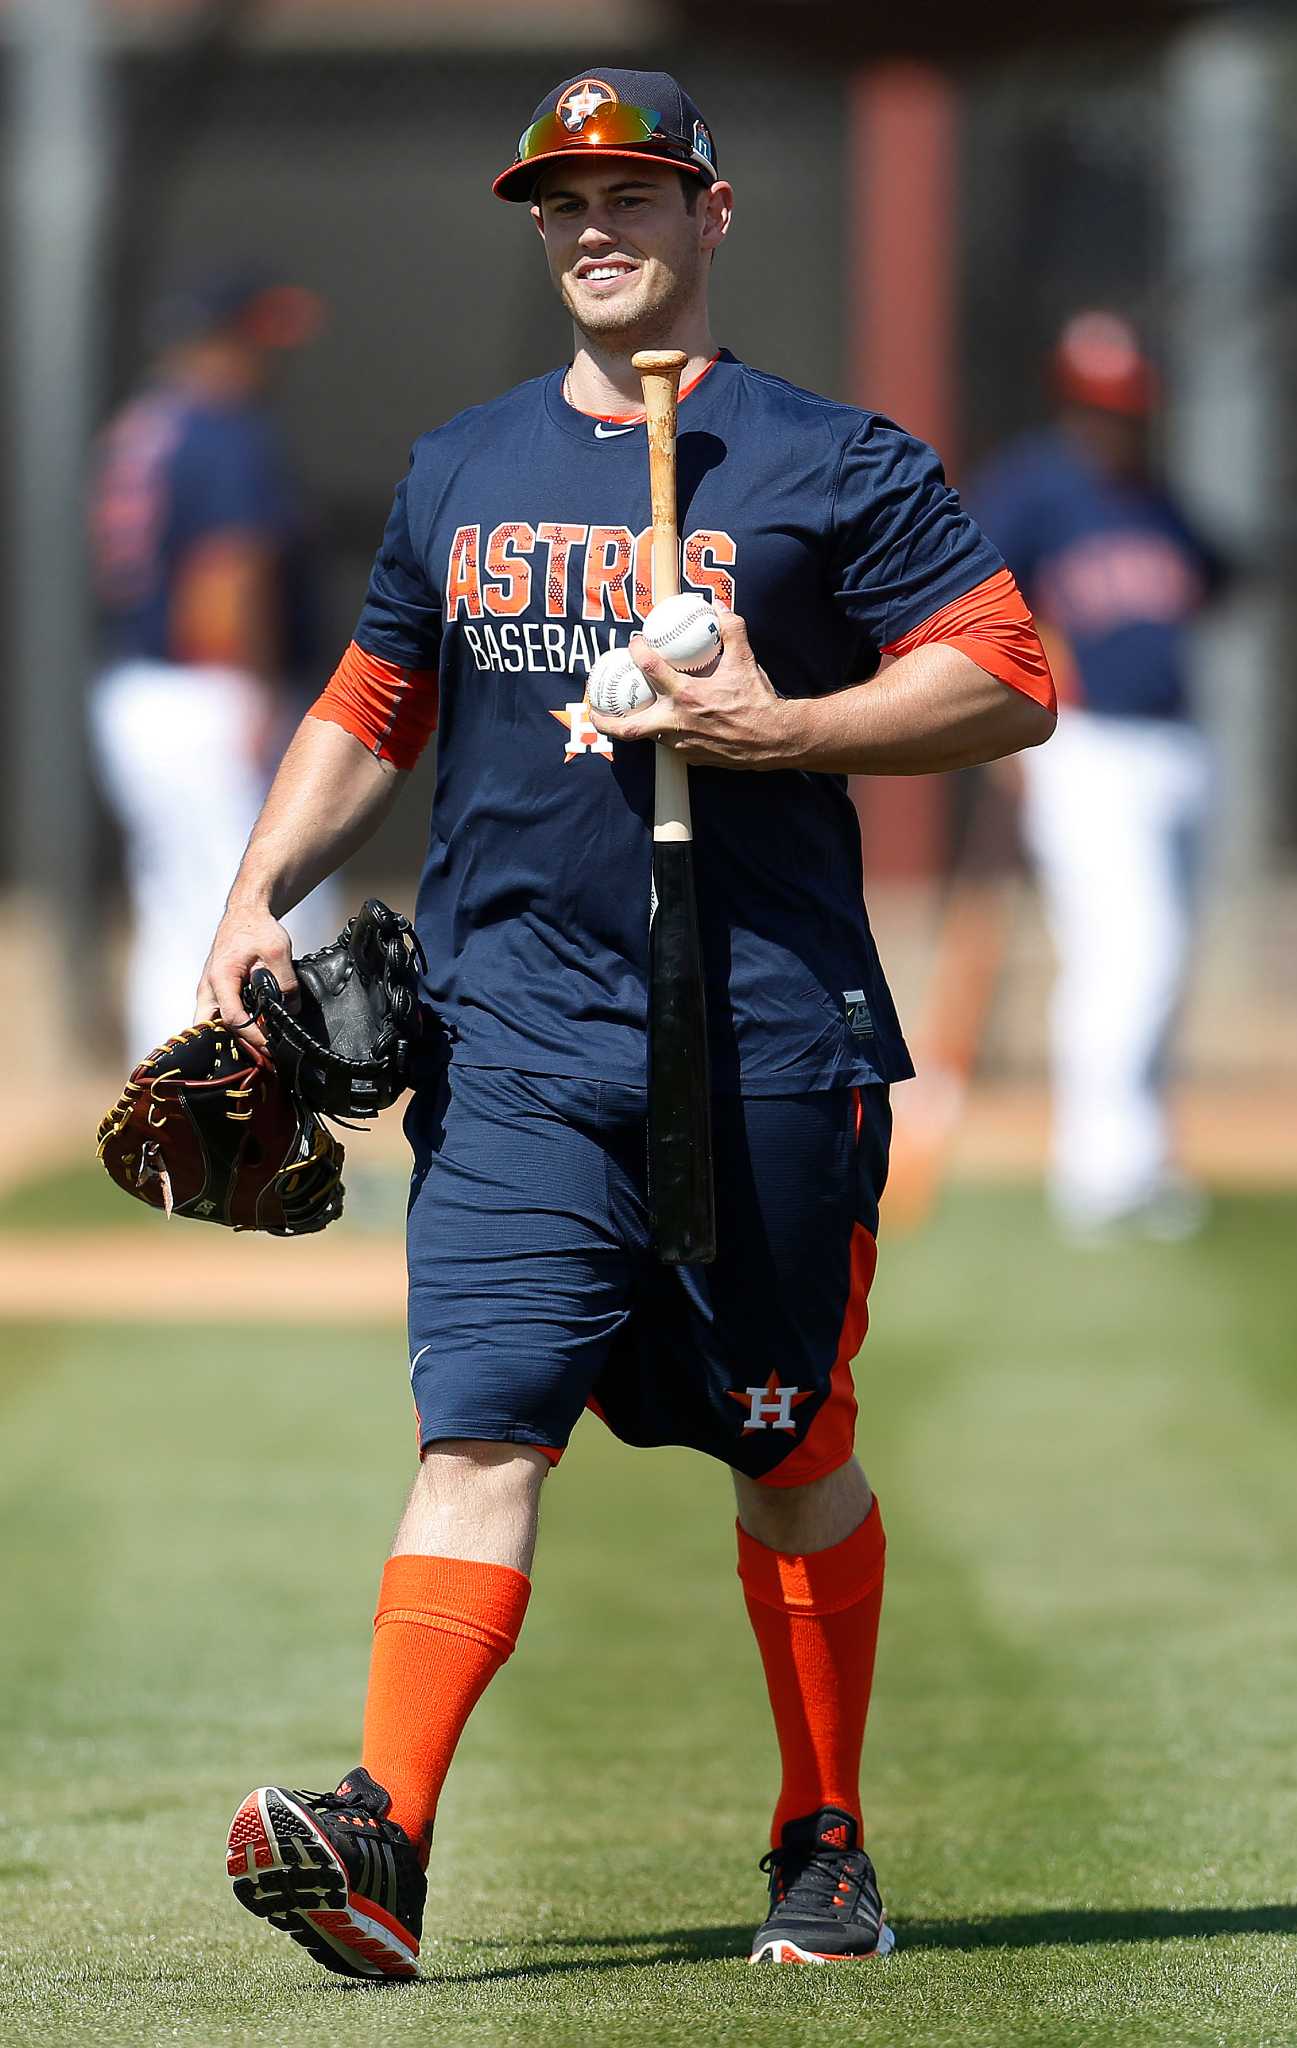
point(253, 303)
point(641, 114)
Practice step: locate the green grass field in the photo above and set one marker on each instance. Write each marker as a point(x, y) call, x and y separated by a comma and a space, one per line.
point(1081, 1775)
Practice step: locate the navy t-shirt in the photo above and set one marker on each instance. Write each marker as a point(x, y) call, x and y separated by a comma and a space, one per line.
point(172, 470)
point(1112, 565)
point(518, 548)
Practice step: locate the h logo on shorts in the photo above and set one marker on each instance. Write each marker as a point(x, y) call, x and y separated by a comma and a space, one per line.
point(771, 1406)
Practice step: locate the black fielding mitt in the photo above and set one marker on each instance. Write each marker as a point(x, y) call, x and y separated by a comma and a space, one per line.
point(346, 1051)
point(206, 1128)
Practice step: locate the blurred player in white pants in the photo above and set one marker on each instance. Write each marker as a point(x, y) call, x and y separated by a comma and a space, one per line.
point(1115, 808)
point(204, 598)
point(182, 760)
point(1113, 816)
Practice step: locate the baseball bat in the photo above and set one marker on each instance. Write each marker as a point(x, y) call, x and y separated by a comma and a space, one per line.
point(682, 1199)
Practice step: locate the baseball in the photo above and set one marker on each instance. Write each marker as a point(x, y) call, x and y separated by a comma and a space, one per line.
point(684, 630)
point(616, 684)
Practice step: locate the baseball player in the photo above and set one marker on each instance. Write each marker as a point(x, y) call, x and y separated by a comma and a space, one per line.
point(1115, 809)
point(518, 550)
point(206, 612)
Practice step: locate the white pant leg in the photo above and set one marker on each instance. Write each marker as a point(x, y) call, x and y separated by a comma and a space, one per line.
point(179, 750)
point(1113, 817)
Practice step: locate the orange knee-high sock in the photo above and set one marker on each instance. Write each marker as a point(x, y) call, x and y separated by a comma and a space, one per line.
point(816, 1623)
point(443, 1629)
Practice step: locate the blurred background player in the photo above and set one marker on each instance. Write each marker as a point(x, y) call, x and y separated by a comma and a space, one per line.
point(1114, 810)
point(206, 605)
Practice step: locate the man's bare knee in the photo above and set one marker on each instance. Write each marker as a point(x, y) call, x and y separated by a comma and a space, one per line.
point(477, 1501)
point(799, 1520)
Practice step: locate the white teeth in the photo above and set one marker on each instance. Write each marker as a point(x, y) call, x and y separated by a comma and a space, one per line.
point(597, 276)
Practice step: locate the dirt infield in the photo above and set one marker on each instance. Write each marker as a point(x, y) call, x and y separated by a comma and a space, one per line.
point(182, 1272)
point(1227, 1137)
point(107, 1276)
point(1231, 1136)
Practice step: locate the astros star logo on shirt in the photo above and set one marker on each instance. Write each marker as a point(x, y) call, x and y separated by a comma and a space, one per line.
point(582, 738)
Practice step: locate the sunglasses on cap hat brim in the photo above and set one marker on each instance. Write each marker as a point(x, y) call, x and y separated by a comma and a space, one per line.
point(611, 125)
point(613, 128)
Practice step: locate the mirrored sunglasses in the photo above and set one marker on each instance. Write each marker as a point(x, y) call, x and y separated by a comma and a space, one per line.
point(612, 125)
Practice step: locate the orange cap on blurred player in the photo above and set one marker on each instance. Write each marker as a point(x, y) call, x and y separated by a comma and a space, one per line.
point(1098, 360)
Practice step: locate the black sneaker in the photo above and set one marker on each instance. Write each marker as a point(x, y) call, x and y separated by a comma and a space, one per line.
point(824, 1903)
point(330, 1869)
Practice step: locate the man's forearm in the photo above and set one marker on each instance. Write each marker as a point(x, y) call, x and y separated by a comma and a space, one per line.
point(932, 710)
point(329, 796)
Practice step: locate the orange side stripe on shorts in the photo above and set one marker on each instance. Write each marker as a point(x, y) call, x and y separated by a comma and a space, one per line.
point(830, 1440)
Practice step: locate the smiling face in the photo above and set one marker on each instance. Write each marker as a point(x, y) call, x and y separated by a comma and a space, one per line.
point(628, 254)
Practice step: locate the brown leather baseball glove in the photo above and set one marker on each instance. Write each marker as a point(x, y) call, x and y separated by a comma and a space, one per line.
point(206, 1128)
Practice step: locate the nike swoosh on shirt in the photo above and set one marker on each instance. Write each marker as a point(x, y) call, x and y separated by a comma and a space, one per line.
point(603, 433)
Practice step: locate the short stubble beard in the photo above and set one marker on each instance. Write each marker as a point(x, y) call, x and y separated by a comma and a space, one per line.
point(650, 325)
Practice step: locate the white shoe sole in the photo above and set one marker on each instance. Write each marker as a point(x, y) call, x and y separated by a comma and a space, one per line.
point(782, 1950)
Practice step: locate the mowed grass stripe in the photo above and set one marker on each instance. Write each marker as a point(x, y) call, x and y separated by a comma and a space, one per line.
point(1079, 1773)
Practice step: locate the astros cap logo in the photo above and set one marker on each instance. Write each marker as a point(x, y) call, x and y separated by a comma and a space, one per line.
point(582, 100)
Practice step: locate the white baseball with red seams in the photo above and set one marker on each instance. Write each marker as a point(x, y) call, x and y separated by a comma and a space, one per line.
point(616, 684)
point(683, 629)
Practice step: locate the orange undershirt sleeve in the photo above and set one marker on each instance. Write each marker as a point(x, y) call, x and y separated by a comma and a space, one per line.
point(993, 627)
point(390, 710)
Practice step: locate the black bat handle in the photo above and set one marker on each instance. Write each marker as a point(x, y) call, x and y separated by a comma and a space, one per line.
point(682, 1199)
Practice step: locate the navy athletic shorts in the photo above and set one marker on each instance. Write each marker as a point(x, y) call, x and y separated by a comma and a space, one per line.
point(535, 1292)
